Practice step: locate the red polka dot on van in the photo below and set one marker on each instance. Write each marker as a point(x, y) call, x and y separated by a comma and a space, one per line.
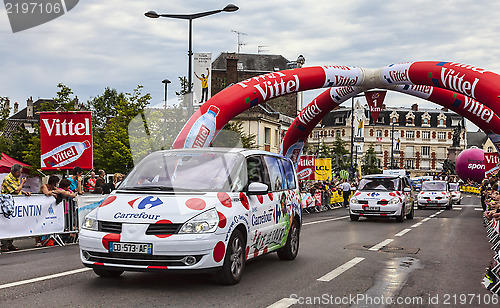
point(224, 199)
point(108, 200)
point(163, 221)
point(247, 250)
point(110, 237)
point(219, 251)
point(244, 201)
point(196, 204)
point(271, 196)
point(222, 220)
point(260, 198)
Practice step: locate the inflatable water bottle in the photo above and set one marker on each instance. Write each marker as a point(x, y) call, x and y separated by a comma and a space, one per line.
point(203, 130)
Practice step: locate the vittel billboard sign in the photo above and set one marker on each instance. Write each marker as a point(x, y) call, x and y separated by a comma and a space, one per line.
point(66, 140)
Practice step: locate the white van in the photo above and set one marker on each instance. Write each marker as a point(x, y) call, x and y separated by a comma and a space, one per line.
point(194, 209)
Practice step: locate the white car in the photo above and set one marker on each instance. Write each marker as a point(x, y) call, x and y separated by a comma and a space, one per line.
point(196, 209)
point(435, 194)
point(382, 196)
point(456, 195)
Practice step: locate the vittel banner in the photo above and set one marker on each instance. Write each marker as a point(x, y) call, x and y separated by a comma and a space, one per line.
point(66, 140)
point(305, 167)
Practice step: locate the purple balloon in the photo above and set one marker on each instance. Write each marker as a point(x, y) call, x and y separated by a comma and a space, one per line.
point(470, 165)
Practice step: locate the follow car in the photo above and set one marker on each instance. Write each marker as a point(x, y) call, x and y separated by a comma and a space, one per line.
point(382, 196)
point(196, 209)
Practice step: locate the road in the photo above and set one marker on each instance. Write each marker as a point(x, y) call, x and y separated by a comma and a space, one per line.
point(433, 260)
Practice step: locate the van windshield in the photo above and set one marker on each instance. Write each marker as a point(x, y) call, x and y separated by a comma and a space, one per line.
point(434, 186)
point(188, 171)
point(379, 184)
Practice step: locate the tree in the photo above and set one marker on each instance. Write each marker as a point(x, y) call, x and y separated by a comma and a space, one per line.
point(339, 159)
point(370, 162)
point(448, 167)
point(233, 135)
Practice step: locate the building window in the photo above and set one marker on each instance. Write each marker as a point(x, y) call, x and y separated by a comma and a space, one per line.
point(426, 134)
point(441, 122)
point(426, 151)
point(315, 134)
point(409, 164)
point(490, 149)
point(426, 122)
point(410, 134)
point(267, 135)
point(378, 148)
point(442, 135)
point(409, 121)
point(379, 133)
point(409, 151)
point(425, 165)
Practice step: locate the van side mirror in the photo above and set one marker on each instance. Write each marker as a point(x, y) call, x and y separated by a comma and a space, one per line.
point(257, 188)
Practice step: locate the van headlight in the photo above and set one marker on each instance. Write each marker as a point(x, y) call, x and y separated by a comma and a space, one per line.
point(90, 223)
point(205, 222)
point(394, 201)
point(353, 200)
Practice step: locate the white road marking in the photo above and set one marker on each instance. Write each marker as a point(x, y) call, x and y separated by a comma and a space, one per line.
point(457, 208)
point(426, 219)
point(478, 209)
point(283, 303)
point(381, 244)
point(325, 220)
point(341, 269)
point(416, 225)
point(22, 282)
point(403, 232)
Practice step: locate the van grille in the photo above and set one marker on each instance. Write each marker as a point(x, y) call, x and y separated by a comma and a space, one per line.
point(110, 227)
point(162, 229)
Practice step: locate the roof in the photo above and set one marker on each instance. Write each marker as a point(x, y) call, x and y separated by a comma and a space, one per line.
point(476, 139)
point(6, 162)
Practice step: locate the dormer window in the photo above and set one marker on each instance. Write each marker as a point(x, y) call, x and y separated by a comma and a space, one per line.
point(441, 120)
point(394, 118)
point(426, 120)
point(410, 119)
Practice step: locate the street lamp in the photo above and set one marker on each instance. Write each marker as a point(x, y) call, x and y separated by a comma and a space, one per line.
point(166, 82)
point(392, 142)
point(300, 62)
point(190, 17)
point(351, 174)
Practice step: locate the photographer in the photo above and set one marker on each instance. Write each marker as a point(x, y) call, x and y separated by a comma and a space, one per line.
point(13, 184)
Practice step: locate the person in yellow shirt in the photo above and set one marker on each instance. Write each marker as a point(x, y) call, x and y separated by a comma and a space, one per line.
point(13, 184)
point(204, 85)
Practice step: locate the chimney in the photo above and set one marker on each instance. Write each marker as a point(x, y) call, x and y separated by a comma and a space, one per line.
point(29, 108)
point(232, 69)
point(76, 102)
point(16, 107)
point(7, 104)
point(414, 107)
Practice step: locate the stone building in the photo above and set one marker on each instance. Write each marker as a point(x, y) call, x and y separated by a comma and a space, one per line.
point(425, 136)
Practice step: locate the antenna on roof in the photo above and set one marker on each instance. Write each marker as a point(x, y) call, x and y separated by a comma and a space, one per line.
point(239, 42)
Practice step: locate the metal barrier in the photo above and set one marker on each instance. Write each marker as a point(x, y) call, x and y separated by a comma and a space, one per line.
point(492, 277)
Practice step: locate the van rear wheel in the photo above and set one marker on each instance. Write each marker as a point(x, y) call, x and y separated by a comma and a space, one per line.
point(291, 248)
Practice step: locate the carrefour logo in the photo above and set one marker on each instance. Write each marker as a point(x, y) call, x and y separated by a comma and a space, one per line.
point(146, 203)
point(374, 194)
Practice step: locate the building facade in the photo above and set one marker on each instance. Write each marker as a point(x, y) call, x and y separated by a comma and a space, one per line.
point(421, 141)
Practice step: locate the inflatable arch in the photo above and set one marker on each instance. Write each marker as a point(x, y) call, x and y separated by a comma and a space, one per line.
point(463, 82)
point(302, 126)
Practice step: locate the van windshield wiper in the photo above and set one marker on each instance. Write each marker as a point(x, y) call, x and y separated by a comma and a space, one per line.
point(159, 188)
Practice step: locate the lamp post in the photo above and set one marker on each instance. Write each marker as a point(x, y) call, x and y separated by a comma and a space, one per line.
point(166, 82)
point(392, 144)
point(300, 62)
point(190, 17)
point(351, 174)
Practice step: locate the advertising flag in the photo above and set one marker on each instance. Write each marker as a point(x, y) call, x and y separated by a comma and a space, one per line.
point(66, 140)
point(490, 164)
point(202, 66)
point(323, 169)
point(305, 167)
point(375, 100)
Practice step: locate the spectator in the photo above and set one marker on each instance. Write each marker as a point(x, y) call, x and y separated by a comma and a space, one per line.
point(77, 181)
point(117, 179)
point(346, 191)
point(97, 191)
point(13, 184)
point(101, 180)
point(91, 182)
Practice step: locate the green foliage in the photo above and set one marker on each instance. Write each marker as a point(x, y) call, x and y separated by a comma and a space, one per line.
point(448, 167)
point(233, 135)
point(4, 112)
point(370, 162)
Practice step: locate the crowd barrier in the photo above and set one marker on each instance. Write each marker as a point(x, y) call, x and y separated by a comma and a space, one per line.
point(470, 189)
point(492, 277)
point(314, 202)
point(39, 215)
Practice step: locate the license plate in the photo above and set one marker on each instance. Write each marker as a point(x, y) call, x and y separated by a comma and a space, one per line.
point(131, 248)
point(372, 208)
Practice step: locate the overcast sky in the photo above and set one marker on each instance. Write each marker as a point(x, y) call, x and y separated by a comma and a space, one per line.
point(112, 44)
